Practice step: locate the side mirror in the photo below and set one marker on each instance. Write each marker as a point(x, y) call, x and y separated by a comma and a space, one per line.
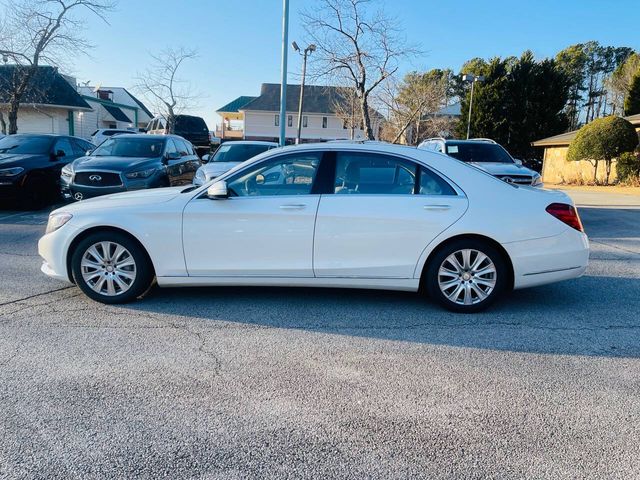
point(518, 162)
point(205, 158)
point(172, 156)
point(88, 152)
point(218, 190)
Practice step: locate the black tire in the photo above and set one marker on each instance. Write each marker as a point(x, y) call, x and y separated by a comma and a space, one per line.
point(468, 282)
point(143, 269)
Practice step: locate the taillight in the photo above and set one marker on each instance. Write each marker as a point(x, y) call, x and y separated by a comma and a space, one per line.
point(566, 214)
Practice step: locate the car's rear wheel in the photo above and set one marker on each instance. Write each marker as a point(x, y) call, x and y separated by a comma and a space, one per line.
point(466, 275)
point(110, 267)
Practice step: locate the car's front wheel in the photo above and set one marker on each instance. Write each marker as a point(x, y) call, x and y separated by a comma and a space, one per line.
point(466, 275)
point(110, 267)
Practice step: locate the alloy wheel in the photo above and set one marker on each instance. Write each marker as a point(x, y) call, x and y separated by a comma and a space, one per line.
point(108, 268)
point(467, 277)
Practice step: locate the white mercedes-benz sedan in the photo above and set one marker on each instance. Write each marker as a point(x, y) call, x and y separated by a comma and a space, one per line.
point(354, 215)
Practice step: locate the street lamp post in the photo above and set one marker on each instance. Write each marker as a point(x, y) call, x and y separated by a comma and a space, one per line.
point(467, 77)
point(283, 73)
point(305, 53)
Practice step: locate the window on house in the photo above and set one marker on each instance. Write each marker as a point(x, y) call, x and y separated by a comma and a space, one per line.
point(290, 121)
point(305, 121)
point(276, 120)
point(324, 122)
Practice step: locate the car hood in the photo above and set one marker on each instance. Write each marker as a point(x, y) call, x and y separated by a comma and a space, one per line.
point(215, 169)
point(125, 199)
point(8, 160)
point(109, 163)
point(499, 168)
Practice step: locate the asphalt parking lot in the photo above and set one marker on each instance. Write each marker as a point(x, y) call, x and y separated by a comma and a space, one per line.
point(300, 383)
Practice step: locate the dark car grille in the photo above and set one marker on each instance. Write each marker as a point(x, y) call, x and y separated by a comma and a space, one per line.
point(517, 179)
point(97, 179)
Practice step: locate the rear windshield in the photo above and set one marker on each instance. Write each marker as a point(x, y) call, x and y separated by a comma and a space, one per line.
point(190, 124)
point(478, 152)
point(238, 153)
point(130, 147)
point(25, 144)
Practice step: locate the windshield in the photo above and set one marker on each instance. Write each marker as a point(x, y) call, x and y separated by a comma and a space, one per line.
point(238, 153)
point(479, 152)
point(25, 144)
point(130, 147)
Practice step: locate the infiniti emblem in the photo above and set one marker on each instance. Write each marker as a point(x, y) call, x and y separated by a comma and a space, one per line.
point(95, 178)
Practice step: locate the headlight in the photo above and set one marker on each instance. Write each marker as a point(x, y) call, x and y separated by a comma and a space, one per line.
point(57, 220)
point(11, 172)
point(140, 173)
point(536, 181)
point(67, 171)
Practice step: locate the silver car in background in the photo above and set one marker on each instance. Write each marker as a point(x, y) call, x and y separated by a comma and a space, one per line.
point(487, 155)
point(227, 156)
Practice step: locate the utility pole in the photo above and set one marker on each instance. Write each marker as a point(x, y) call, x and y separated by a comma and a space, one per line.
point(283, 79)
point(473, 79)
point(307, 51)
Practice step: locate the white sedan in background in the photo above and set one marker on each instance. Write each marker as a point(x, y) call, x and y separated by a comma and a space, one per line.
point(364, 215)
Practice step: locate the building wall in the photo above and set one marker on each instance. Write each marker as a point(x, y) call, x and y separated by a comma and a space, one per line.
point(557, 169)
point(43, 120)
point(262, 125)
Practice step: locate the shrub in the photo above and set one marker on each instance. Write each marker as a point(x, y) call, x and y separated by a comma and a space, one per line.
point(604, 139)
point(628, 167)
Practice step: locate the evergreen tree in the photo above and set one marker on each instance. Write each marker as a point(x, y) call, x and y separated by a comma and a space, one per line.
point(632, 100)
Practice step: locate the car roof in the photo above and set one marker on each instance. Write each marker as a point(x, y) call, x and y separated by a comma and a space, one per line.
point(250, 142)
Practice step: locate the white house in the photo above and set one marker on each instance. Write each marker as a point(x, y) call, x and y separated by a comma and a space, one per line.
point(326, 115)
point(50, 103)
point(111, 107)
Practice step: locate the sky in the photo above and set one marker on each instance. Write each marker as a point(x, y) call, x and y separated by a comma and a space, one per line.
point(239, 41)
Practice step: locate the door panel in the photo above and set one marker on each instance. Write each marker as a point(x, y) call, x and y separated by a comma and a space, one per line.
point(379, 236)
point(250, 236)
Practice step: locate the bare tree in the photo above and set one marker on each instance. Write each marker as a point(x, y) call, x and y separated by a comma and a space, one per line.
point(355, 48)
point(36, 32)
point(161, 84)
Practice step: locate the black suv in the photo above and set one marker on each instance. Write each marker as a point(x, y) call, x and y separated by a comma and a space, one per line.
point(189, 127)
point(30, 166)
point(130, 162)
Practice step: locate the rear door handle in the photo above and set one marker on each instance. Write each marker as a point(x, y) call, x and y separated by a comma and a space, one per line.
point(293, 206)
point(437, 207)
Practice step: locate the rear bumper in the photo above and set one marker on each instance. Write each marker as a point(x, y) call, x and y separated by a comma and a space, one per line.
point(548, 260)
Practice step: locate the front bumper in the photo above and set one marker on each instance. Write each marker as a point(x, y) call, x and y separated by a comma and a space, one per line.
point(53, 248)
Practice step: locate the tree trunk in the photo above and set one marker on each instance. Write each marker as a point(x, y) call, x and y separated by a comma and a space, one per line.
point(595, 172)
point(3, 124)
point(608, 171)
point(366, 119)
point(13, 117)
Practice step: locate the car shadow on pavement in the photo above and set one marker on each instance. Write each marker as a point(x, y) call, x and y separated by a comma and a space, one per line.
point(593, 316)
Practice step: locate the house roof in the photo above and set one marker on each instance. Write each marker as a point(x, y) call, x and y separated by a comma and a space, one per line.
point(564, 139)
point(89, 92)
point(317, 99)
point(234, 105)
point(139, 103)
point(47, 87)
point(117, 114)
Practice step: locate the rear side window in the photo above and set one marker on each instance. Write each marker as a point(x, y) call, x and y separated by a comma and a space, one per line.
point(366, 173)
point(432, 184)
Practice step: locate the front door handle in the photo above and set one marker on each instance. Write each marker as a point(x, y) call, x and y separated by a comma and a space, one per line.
point(437, 207)
point(293, 206)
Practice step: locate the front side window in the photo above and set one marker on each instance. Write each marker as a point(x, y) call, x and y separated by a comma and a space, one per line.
point(182, 147)
point(63, 145)
point(292, 174)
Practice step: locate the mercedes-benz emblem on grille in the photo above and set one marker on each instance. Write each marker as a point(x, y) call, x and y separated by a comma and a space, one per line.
point(506, 179)
point(95, 178)
point(78, 196)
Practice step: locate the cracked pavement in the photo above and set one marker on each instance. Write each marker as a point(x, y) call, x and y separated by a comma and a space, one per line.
point(301, 383)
